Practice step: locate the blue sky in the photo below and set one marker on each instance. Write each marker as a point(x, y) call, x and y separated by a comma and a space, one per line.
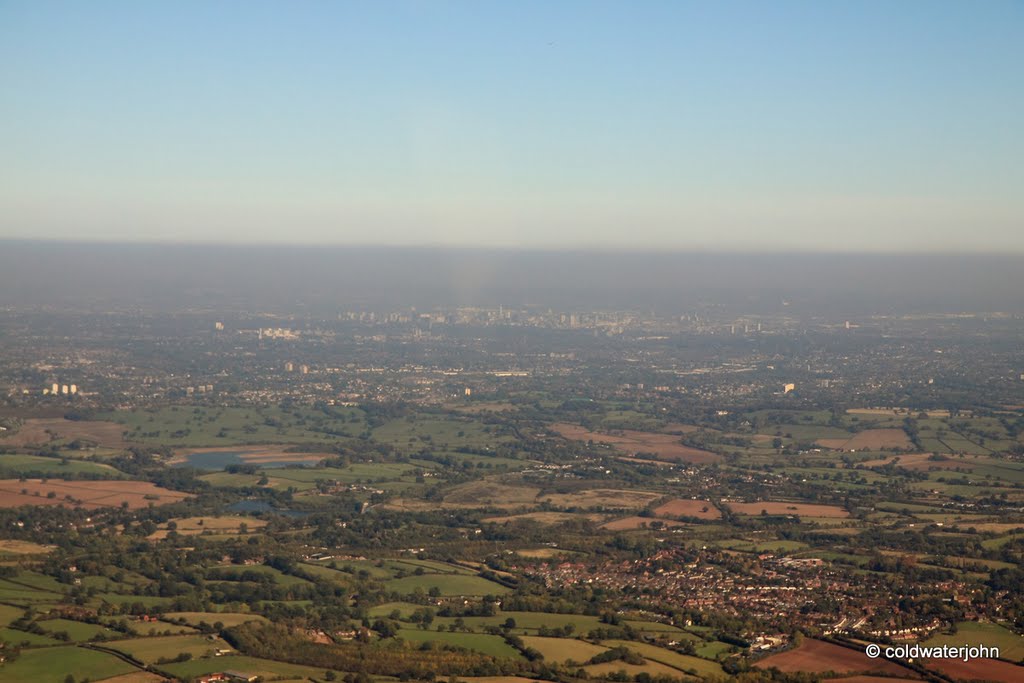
point(714, 125)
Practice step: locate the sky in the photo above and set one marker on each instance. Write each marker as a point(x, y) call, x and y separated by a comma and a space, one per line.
point(782, 126)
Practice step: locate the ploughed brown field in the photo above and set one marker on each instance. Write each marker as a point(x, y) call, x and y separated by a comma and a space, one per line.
point(977, 670)
point(782, 508)
point(817, 656)
point(39, 431)
point(85, 494)
point(870, 439)
point(858, 679)
point(682, 507)
point(664, 446)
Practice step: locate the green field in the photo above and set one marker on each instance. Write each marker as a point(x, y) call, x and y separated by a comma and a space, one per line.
point(235, 573)
point(444, 433)
point(11, 635)
point(529, 622)
point(449, 584)
point(77, 630)
point(481, 642)
point(23, 595)
point(149, 650)
point(1010, 644)
point(687, 663)
point(561, 650)
point(12, 465)
point(267, 668)
point(9, 614)
point(713, 649)
point(52, 664)
point(223, 426)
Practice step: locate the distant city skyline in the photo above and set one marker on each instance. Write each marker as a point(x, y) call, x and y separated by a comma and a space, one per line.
point(789, 126)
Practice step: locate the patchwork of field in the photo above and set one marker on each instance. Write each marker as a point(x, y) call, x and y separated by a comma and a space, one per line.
point(817, 656)
point(870, 439)
point(41, 431)
point(1005, 472)
point(783, 508)
point(85, 494)
point(664, 446)
point(683, 507)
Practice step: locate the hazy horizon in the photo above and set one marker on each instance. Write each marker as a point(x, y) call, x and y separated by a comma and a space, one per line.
point(851, 127)
point(327, 278)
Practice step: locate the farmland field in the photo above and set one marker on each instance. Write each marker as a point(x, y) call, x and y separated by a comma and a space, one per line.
point(12, 464)
point(602, 498)
point(41, 431)
point(1010, 644)
point(627, 523)
point(149, 650)
point(13, 547)
point(651, 668)
point(449, 584)
point(782, 508)
point(78, 631)
point(870, 439)
point(192, 526)
point(545, 517)
point(217, 458)
point(488, 644)
point(977, 669)
point(563, 649)
point(817, 656)
point(86, 494)
point(269, 669)
point(51, 665)
point(689, 663)
point(683, 507)
point(664, 446)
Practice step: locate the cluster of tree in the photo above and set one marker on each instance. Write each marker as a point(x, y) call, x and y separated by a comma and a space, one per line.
point(277, 642)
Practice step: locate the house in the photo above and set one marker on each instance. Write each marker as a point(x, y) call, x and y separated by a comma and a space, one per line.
point(230, 676)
